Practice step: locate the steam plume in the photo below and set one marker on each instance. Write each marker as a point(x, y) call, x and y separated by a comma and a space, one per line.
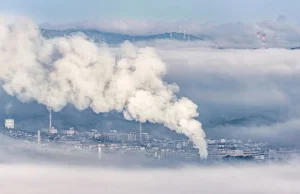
point(74, 70)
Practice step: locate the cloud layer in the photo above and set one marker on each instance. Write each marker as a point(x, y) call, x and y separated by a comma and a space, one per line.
point(279, 32)
point(256, 91)
point(267, 179)
point(25, 170)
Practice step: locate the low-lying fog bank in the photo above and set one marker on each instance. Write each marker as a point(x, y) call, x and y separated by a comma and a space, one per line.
point(48, 179)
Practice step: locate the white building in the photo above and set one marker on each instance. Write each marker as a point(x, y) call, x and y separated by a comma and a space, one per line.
point(97, 135)
point(9, 123)
point(259, 157)
point(70, 131)
point(53, 130)
point(44, 130)
point(145, 137)
point(132, 137)
point(236, 152)
point(178, 146)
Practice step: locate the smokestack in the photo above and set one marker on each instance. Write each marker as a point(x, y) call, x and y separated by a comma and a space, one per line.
point(39, 137)
point(140, 132)
point(50, 119)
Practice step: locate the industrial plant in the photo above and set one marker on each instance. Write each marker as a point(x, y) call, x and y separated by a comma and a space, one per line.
point(141, 144)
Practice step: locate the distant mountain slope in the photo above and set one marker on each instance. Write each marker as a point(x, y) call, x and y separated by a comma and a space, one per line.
point(295, 48)
point(258, 120)
point(115, 38)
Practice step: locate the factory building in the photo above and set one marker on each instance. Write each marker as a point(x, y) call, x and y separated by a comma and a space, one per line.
point(9, 123)
point(52, 130)
point(70, 131)
point(113, 135)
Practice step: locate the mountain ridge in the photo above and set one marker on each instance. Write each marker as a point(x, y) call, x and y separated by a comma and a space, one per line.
point(117, 38)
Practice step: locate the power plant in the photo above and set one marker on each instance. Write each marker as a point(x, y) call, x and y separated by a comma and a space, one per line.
point(139, 143)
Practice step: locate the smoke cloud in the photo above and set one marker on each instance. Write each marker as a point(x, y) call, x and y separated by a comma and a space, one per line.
point(73, 70)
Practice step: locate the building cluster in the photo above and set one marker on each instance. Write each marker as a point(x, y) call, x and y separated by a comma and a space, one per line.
point(142, 144)
point(223, 148)
point(115, 136)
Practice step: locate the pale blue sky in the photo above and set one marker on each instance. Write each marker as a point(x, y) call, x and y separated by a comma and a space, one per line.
point(218, 11)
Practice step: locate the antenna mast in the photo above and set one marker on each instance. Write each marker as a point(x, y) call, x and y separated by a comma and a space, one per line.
point(50, 118)
point(140, 132)
point(39, 137)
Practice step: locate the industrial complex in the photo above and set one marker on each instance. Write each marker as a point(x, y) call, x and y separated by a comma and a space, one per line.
point(141, 144)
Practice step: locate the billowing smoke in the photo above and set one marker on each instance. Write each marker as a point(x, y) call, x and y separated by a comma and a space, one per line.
point(73, 70)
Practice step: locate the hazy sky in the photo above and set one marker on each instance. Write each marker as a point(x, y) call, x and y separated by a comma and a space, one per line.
point(199, 10)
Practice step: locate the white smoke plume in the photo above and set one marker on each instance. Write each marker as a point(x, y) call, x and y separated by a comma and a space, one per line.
point(73, 70)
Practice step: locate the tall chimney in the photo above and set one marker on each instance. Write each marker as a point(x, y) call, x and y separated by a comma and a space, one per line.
point(140, 132)
point(50, 119)
point(39, 137)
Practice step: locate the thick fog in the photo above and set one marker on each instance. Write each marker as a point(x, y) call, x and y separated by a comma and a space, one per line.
point(44, 179)
point(26, 170)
